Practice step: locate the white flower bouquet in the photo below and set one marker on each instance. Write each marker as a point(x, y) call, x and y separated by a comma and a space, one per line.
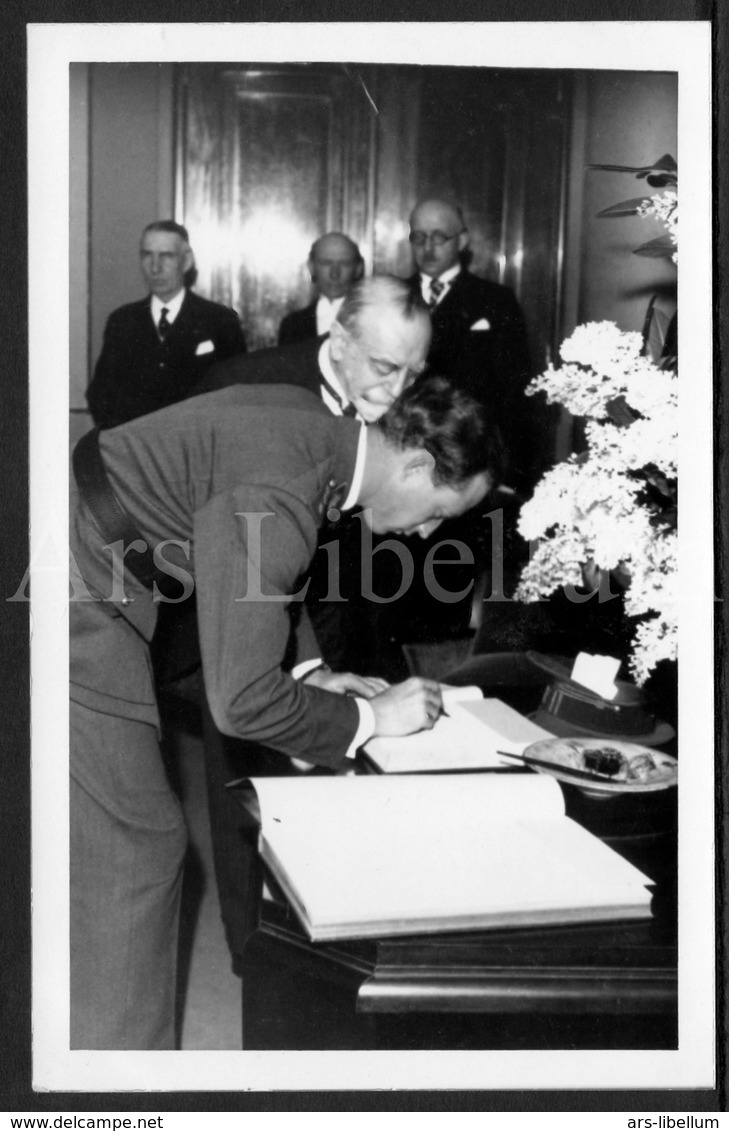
point(612, 506)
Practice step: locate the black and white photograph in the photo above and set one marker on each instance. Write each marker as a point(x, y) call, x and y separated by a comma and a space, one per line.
point(354, 395)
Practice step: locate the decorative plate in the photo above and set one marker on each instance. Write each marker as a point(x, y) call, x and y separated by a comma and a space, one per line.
point(603, 765)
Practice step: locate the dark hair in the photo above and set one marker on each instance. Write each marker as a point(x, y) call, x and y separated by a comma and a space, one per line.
point(450, 425)
point(190, 276)
point(380, 291)
point(168, 226)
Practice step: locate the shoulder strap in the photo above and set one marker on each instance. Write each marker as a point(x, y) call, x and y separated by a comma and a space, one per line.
point(108, 513)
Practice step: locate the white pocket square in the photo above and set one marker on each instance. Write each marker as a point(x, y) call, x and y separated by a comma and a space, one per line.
point(482, 324)
point(204, 347)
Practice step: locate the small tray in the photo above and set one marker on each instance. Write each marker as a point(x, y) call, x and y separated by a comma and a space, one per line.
point(564, 759)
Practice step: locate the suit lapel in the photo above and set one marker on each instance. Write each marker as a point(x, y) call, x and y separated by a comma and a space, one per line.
point(148, 328)
point(184, 325)
point(454, 304)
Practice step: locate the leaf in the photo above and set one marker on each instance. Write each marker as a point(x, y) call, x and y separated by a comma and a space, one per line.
point(626, 208)
point(659, 481)
point(623, 168)
point(620, 412)
point(660, 248)
point(654, 333)
point(660, 180)
point(664, 164)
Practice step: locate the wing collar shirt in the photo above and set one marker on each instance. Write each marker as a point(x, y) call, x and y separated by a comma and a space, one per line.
point(332, 393)
point(446, 281)
point(172, 307)
point(326, 312)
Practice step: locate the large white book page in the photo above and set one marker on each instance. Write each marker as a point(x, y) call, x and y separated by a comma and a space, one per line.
point(374, 855)
point(468, 737)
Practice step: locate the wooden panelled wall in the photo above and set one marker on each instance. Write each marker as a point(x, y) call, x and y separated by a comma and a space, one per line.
point(269, 158)
point(266, 158)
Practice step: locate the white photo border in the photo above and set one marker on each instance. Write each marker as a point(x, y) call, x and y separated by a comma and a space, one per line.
point(683, 47)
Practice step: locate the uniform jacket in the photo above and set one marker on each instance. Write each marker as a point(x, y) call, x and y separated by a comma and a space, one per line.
point(199, 477)
point(137, 373)
point(299, 325)
point(337, 624)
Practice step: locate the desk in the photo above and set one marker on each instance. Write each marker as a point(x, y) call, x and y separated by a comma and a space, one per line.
point(589, 986)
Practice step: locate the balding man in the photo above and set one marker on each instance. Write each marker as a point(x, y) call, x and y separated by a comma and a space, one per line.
point(376, 346)
point(335, 264)
point(479, 336)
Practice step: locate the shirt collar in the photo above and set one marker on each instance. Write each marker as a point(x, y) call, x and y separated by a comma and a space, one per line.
point(356, 484)
point(173, 306)
point(446, 279)
point(325, 365)
point(326, 312)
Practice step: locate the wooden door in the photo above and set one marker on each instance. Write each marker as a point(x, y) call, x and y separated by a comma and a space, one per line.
point(270, 159)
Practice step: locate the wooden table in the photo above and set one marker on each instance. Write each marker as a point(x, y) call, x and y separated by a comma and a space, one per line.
point(589, 986)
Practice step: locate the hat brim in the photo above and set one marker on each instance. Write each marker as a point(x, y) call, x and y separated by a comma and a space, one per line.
point(559, 667)
point(560, 728)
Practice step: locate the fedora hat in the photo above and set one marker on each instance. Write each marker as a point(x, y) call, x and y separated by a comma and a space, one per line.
point(569, 710)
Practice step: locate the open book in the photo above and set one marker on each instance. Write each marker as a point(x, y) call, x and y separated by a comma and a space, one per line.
point(468, 737)
point(370, 855)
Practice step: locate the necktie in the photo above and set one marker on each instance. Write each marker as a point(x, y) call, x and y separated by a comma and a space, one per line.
point(436, 290)
point(350, 410)
point(164, 324)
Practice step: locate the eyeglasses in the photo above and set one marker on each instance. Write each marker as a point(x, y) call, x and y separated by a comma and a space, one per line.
point(419, 239)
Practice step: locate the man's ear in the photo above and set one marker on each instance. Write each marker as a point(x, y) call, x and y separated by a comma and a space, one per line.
point(418, 461)
point(189, 260)
point(463, 241)
point(359, 270)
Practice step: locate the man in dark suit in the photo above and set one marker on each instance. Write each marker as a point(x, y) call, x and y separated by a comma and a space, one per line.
point(480, 344)
point(157, 349)
point(226, 492)
point(479, 336)
point(335, 264)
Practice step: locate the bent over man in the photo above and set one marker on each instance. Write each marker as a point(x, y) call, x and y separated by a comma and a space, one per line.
point(225, 492)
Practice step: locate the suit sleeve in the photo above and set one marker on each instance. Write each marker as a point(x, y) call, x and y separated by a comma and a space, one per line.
point(286, 333)
point(298, 326)
point(513, 347)
point(230, 339)
point(251, 546)
point(522, 418)
point(103, 391)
